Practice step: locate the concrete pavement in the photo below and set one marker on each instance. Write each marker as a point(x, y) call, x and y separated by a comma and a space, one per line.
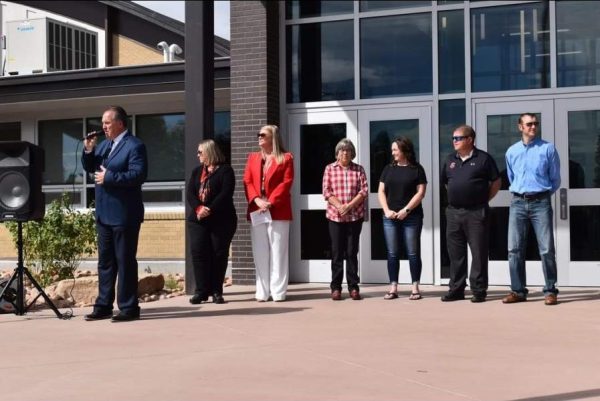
point(311, 348)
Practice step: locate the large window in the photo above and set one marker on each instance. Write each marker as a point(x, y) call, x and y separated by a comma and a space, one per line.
point(320, 62)
point(395, 55)
point(303, 9)
point(578, 43)
point(71, 48)
point(510, 47)
point(61, 141)
point(451, 51)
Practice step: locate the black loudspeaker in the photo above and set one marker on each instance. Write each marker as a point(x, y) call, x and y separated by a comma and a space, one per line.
point(21, 168)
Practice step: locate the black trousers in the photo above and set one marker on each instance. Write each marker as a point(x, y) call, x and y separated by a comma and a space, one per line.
point(209, 247)
point(344, 245)
point(468, 227)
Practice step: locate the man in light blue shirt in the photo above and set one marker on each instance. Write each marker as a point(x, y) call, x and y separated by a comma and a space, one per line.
point(533, 168)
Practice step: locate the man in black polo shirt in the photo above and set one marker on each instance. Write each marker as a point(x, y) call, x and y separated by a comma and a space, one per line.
point(472, 179)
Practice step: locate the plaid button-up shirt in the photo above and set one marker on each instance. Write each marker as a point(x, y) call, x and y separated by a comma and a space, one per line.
point(345, 184)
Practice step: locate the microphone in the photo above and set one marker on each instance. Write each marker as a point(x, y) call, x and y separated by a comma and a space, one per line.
point(93, 134)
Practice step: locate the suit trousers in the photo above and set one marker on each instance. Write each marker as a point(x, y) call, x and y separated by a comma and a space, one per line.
point(344, 245)
point(117, 249)
point(468, 227)
point(270, 248)
point(209, 248)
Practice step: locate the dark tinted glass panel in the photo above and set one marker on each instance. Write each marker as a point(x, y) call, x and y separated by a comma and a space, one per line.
point(314, 235)
point(378, 248)
point(452, 114)
point(381, 135)
point(451, 45)
point(61, 142)
point(320, 62)
point(502, 132)
point(10, 131)
point(74, 197)
point(585, 233)
point(510, 47)
point(395, 56)
point(387, 5)
point(578, 43)
point(317, 150)
point(499, 236)
point(303, 9)
point(163, 135)
point(164, 196)
point(584, 149)
point(223, 132)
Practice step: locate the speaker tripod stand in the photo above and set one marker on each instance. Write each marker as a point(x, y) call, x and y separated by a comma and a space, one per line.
point(20, 272)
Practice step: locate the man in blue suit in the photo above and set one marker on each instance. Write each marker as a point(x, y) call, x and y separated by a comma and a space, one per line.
point(120, 166)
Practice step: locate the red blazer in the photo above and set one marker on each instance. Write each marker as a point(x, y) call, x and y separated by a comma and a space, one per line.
point(278, 183)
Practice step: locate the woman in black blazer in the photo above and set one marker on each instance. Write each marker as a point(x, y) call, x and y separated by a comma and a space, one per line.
point(211, 222)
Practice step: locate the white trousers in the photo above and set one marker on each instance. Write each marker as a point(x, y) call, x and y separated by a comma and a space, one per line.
point(270, 248)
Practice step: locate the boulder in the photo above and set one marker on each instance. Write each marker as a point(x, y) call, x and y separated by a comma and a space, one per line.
point(80, 290)
point(150, 283)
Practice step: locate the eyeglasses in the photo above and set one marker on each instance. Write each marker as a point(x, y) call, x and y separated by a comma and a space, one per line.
point(533, 124)
point(260, 135)
point(459, 138)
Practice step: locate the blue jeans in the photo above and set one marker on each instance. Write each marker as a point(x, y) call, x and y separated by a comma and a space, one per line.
point(407, 231)
point(539, 212)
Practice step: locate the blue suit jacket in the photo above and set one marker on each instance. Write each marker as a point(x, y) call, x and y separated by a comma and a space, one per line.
point(119, 199)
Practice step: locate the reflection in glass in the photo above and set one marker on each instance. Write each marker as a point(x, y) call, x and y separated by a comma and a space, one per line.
point(223, 132)
point(303, 9)
point(584, 149)
point(381, 136)
point(163, 196)
point(317, 150)
point(499, 236)
point(314, 235)
point(163, 135)
point(60, 140)
point(74, 197)
point(451, 49)
point(510, 47)
point(320, 61)
point(378, 248)
point(585, 233)
point(452, 114)
point(578, 43)
point(10, 131)
point(374, 5)
point(395, 55)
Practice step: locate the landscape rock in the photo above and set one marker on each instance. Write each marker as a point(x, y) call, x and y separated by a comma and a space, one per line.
point(150, 283)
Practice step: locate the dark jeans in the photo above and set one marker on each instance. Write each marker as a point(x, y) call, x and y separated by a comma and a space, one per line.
point(468, 227)
point(117, 249)
point(406, 233)
point(344, 243)
point(209, 247)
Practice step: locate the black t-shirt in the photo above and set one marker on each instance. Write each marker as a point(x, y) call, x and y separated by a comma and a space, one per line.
point(401, 185)
point(469, 181)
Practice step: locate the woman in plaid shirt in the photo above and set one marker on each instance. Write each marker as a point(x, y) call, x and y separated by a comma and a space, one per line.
point(345, 190)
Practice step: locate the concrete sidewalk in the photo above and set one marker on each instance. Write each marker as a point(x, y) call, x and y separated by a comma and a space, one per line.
point(311, 348)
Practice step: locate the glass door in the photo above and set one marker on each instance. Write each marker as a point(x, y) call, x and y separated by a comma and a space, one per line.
point(578, 203)
point(313, 137)
point(378, 128)
point(496, 127)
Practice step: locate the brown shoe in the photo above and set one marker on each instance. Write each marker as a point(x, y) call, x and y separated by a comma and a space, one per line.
point(336, 295)
point(355, 295)
point(550, 299)
point(513, 297)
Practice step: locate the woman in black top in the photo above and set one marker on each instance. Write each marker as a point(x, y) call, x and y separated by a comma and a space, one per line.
point(212, 221)
point(401, 189)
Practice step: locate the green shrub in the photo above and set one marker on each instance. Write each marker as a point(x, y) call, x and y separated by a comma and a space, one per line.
point(54, 247)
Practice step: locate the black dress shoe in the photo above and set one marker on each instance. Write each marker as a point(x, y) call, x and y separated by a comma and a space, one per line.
point(477, 298)
point(450, 297)
point(198, 299)
point(218, 299)
point(125, 317)
point(98, 315)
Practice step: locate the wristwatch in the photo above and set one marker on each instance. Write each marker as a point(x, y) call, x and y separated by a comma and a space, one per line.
point(407, 210)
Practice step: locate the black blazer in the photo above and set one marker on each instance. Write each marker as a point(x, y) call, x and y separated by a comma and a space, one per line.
point(220, 199)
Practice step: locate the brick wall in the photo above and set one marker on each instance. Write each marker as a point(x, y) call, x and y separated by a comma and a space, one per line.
point(254, 103)
point(130, 52)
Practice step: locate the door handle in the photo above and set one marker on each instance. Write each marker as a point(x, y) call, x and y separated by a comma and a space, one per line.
point(563, 204)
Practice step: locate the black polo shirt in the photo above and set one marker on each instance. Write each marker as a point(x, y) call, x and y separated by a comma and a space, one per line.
point(468, 182)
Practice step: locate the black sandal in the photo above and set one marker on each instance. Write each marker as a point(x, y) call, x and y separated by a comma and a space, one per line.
point(390, 295)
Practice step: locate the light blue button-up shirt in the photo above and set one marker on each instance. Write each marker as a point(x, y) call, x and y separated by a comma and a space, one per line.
point(533, 168)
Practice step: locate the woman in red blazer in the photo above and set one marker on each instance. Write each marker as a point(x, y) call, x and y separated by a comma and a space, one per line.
point(268, 180)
